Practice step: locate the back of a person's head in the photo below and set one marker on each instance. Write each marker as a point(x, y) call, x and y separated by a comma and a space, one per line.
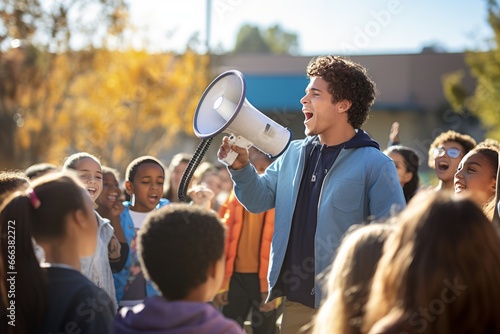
point(444, 257)
point(350, 278)
point(11, 181)
point(40, 169)
point(466, 141)
point(60, 193)
point(39, 212)
point(177, 244)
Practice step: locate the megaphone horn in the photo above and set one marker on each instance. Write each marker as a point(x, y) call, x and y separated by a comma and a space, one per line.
point(223, 108)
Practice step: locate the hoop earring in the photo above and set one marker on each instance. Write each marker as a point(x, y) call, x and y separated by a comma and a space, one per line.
point(132, 200)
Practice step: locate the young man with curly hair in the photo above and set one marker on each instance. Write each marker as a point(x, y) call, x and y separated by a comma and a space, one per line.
point(320, 186)
point(445, 153)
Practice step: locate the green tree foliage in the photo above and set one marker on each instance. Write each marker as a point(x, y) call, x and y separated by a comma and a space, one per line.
point(250, 40)
point(281, 41)
point(57, 98)
point(485, 67)
point(274, 40)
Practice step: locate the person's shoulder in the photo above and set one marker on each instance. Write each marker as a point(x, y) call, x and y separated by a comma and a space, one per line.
point(125, 214)
point(370, 154)
point(94, 308)
point(78, 286)
point(302, 141)
point(70, 277)
point(296, 146)
point(79, 302)
point(226, 325)
point(162, 203)
point(101, 220)
point(105, 228)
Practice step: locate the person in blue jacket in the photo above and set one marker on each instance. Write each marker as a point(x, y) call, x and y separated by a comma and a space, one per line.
point(320, 186)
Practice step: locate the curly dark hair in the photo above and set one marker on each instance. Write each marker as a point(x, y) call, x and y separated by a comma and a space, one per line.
point(467, 142)
point(12, 180)
point(346, 81)
point(176, 246)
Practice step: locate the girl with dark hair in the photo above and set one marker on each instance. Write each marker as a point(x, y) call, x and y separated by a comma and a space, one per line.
point(53, 297)
point(407, 162)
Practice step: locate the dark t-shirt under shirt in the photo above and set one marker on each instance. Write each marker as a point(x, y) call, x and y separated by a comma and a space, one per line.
point(298, 270)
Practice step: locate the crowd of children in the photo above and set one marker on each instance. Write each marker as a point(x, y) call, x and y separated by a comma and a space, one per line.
point(147, 265)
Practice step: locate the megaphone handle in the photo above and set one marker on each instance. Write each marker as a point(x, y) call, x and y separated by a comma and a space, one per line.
point(232, 155)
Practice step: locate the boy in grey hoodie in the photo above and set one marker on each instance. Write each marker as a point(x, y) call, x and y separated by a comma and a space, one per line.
point(181, 249)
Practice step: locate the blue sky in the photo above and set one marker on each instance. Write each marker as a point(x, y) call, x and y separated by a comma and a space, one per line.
point(323, 26)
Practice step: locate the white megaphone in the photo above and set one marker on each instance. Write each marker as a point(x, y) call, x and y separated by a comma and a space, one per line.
point(224, 108)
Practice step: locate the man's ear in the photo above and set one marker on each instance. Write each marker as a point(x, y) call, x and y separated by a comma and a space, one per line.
point(129, 187)
point(344, 105)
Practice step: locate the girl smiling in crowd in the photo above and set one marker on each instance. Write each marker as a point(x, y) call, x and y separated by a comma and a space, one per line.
point(476, 176)
point(96, 267)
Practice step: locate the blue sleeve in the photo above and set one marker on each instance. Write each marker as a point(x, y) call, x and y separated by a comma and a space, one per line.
point(256, 192)
point(386, 194)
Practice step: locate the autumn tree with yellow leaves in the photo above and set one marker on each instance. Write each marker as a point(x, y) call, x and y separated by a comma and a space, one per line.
point(117, 104)
point(132, 103)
